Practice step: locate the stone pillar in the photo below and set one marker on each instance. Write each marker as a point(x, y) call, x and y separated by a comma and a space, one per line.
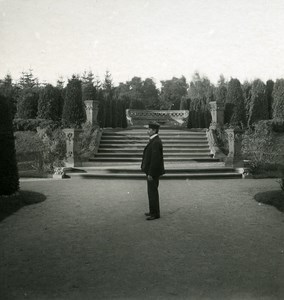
point(217, 113)
point(234, 158)
point(92, 108)
point(72, 147)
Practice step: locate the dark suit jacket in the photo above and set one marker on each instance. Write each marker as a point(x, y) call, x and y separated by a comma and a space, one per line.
point(153, 160)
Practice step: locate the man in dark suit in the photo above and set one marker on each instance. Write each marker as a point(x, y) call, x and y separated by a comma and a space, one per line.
point(153, 166)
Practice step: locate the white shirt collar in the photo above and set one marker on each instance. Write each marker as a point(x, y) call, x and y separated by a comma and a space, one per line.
point(152, 136)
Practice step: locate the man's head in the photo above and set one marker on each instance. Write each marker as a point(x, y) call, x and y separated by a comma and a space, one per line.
point(153, 128)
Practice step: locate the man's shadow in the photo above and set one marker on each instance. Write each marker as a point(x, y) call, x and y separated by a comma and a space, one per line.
point(11, 204)
point(273, 198)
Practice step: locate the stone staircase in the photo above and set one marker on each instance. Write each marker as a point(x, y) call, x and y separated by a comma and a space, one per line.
point(186, 156)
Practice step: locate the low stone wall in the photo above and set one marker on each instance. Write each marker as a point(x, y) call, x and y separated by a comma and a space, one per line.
point(172, 118)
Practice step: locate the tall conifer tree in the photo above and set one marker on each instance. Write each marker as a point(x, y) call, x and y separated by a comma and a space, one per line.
point(9, 178)
point(235, 107)
point(73, 111)
point(258, 108)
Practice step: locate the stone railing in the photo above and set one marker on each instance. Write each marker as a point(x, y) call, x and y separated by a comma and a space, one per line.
point(213, 145)
point(173, 118)
point(234, 157)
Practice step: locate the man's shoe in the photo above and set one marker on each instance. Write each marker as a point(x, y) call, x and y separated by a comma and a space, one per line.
point(147, 214)
point(152, 218)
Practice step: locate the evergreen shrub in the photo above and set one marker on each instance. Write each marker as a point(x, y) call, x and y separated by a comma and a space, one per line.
point(258, 106)
point(235, 113)
point(199, 114)
point(29, 150)
point(73, 111)
point(222, 140)
point(47, 146)
point(9, 178)
point(49, 103)
point(258, 146)
point(54, 152)
point(88, 140)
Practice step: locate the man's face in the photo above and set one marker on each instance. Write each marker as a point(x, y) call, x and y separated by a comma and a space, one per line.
point(151, 131)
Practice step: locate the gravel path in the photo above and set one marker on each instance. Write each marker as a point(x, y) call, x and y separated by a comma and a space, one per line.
point(89, 240)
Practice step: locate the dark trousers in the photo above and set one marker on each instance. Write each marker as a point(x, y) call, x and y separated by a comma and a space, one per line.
point(153, 196)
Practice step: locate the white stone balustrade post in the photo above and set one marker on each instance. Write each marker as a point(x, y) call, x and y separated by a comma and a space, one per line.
point(92, 108)
point(217, 113)
point(72, 147)
point(234, 157)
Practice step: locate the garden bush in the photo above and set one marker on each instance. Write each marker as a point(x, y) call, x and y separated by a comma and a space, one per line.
point(29, 150)
point(222, 140)
point(258, 146)
point(47, 146)
point(54, 148)
point(88, 140)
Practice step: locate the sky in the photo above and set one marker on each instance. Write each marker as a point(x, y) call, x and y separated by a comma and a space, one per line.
point(159, 39)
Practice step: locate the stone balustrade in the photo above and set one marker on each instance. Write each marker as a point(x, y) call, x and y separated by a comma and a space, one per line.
point(172, 118)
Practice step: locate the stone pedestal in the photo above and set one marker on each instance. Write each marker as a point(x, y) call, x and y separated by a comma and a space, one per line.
point(92, 108)
point(72, 147)
point(217, 113)
point(234, 158)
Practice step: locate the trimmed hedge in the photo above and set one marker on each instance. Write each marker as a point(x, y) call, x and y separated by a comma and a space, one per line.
point(9, 177)
point(32, 124)
point(260, 146)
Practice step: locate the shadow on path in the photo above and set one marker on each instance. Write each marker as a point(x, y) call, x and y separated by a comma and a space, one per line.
point(11, 204)
point(273, 198)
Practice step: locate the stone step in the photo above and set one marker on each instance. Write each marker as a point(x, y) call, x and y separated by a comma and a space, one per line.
point(138, 159)
point(167, 145)
point(191, 164)
point(164, 134)
point(166, 151)
point(139, 154)
point(181, 142)
point(161, 132)
point(146, 139)
point(186, 156)
point(200, 175)
point(169, 170)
